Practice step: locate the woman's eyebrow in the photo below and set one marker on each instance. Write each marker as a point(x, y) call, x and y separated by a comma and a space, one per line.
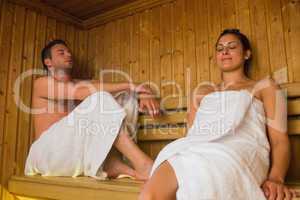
point(234, 41)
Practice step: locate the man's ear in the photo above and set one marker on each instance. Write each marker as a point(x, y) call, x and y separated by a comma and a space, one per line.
point(48, 62)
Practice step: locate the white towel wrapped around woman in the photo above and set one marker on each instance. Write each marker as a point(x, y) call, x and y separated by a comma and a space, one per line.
point(225, 154)
point(79, 143)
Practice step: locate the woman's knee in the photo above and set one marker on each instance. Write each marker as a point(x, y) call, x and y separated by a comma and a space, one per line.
point(147, 194)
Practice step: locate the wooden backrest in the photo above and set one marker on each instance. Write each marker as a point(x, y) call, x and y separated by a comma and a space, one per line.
point(154, 134)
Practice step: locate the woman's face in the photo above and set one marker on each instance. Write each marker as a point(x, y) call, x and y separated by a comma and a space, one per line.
point(230, 55)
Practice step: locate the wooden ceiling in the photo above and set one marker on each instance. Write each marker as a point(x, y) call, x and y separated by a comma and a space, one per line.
point(87, 14)
point(85, 9)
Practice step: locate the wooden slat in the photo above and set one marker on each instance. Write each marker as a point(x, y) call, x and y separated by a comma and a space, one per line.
point(5, 39)
point(166, 50)
point(99, 62)
point(11, 114)
point(135, 46)
point(214, 28)
point(293, 89)
point(294, 127)
point(243, 16)
point(293, 7)
point(155, 50)
point(228, 17)
point(276, 41)
point(202, 54)
point(73, 188)
point(144, 51)
point(161, 134)
point(168, 118)
point(294, 107)
point(24, 120)
point(51, 29)
point(116, 59)
point(178, 48)
point(190, 45)
point(173, 103)
point(259, 40)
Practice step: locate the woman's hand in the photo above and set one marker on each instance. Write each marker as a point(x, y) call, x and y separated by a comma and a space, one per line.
point(274, 190)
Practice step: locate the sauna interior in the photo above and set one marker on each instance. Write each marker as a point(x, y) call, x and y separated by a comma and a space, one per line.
point(169, 43)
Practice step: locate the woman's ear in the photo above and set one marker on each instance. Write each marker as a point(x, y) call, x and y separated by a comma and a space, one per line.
point(247, 54)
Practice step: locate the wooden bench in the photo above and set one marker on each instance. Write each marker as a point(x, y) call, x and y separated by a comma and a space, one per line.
point(153, 135)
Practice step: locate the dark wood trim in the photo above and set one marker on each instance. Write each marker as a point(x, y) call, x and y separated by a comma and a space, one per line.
point(49, 11)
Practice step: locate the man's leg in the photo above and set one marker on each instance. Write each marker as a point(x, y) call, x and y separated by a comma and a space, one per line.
point(125, 140)
point(114, 166)
point(162, 184)
point(141, 162)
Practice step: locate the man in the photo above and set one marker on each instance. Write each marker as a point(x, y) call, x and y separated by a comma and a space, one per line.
point(80, 126)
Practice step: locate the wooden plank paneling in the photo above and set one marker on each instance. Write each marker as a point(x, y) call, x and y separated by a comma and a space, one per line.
point(178, 71)
point(23, 34)
point(261, 57)
point(144, 53)
point(11, 114)
point(166, 50)
point(51, 29)
point(294, 32)
point(24, 120)
point(190, 45)
point(228, 17)
point(214, 21)
point(276, 41)
point(202, 43)
point(5, 39)
point(155, 50)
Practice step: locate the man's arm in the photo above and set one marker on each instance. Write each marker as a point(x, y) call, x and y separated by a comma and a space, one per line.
point(50, 88)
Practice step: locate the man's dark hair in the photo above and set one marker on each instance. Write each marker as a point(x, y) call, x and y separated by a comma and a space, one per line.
point(245, 43)
point(46, 52)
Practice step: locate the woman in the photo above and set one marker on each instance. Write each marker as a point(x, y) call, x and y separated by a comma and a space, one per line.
point(232, 127)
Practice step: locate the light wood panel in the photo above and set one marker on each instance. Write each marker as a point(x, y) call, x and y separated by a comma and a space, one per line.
point(158, 42)
point(181, 37)
point(23, 34)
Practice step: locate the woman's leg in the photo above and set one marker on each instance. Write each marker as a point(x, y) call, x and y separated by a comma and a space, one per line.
point(162, 185)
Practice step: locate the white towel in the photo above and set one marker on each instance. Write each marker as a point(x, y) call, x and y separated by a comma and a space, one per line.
point(79, 143)
point(225, 155)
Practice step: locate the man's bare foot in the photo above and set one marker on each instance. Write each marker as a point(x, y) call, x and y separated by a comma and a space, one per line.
point(114, 167)
point(142, 171)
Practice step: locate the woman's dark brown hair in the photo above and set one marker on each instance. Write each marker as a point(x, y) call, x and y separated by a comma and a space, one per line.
point(245, 43)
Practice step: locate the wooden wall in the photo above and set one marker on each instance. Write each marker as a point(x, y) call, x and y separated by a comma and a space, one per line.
point(175, 41)
point(167, 43)
point(23, 34)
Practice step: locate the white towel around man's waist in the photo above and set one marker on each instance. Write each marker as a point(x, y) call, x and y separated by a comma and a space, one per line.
point(79, 143)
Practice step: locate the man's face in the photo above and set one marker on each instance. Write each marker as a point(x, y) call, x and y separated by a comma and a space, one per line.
point(61, 58)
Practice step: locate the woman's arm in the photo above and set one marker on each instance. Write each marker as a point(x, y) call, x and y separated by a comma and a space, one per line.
point(275, 107)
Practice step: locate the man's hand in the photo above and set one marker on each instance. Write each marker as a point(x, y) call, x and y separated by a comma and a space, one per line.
point(141, 88)
point(277, 191)
point(149, 103)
